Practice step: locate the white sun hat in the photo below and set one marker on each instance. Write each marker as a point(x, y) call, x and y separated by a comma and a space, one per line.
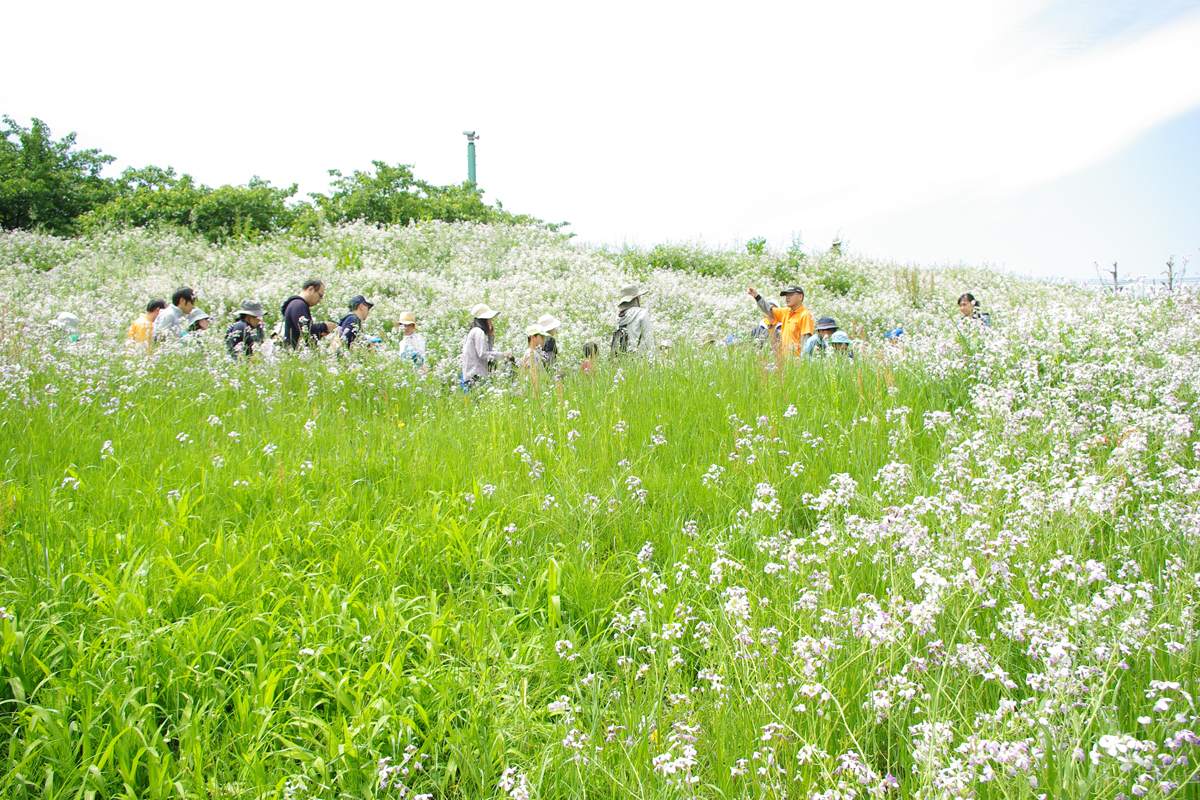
point(481, 311)
point(548, 322)
point(536, 329)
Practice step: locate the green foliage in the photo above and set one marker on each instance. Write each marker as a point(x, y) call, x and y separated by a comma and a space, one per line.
point(838, 274)
point(691, 258)
point(913, 286)
point(47, 184)
point(393, 195)
point(756, 246)
point(153, 196)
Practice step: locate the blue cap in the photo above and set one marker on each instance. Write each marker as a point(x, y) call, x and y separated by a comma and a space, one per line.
point(358, 300)
point(896, 334)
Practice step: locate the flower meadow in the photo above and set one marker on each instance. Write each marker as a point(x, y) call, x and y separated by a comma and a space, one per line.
point(965, 566)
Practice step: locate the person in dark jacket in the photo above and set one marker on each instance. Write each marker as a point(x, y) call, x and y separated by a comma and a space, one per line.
point(351, 325)
point(298, 324)
point(242, 335)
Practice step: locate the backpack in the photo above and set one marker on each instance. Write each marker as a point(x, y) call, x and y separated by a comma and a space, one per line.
point(620, 340)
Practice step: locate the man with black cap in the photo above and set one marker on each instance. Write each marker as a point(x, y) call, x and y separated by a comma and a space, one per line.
point(796, 320)
point(242, 335)
point(351, 325)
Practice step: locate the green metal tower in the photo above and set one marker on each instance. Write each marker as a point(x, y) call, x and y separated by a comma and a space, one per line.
point(471, 137)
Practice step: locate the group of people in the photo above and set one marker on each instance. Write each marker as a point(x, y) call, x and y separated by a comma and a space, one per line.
point(790, 328)
point(182, 320)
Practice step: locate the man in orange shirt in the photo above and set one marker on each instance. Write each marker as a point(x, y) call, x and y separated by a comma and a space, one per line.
point(142, 329)
point(797, 321)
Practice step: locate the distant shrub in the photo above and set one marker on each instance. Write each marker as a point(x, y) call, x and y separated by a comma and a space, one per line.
point(693, 259)
point(838, 274)
point(913, 287)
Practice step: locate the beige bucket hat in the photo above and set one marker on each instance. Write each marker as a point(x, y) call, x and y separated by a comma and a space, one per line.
point(408, 318)
point(630, 293)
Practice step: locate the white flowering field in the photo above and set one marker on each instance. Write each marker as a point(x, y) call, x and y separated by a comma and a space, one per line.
point(962, 567)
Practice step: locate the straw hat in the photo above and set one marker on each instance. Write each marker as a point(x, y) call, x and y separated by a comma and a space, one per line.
point(481, 311)
point(408, 318)
point(631, 293)
point(548, 322)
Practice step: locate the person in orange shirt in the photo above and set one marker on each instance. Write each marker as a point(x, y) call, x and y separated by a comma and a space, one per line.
point(797, 321)
point(142, 329)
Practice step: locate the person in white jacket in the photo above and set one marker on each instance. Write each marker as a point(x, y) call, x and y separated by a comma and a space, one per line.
point(479, 346)
point(634, 321)
point(413, 347)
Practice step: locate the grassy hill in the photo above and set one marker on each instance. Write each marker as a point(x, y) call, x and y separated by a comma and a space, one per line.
point(967, 564)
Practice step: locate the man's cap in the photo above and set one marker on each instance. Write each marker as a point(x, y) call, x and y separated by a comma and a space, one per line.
point(549, 322)
point(408, 318)
point(481, 311)
point(631, 293)
point(793, 289)
point(826, 324)
point(358, 300)
point(249, 308)
point(841, 337)
point(896, 334)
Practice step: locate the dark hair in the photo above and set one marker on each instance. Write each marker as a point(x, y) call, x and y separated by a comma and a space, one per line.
point(314, 284)
point(181, 294)
point(591, 349)
point(971, 297)
point(155, 305)
point(484, 325)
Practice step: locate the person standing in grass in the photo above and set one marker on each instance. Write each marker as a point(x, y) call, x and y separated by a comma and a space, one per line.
point(968, 306)
point(170, 321)
point(795, 320)
point(242, 335)
point(591, 354)
point(142, 329)
point(413, 347)
point(549, 323)
point(815, 346)
point(840, 342)
point(634, 332)
point(478, 352)
point(350, 326)
point(298, 324)
point(535, 356)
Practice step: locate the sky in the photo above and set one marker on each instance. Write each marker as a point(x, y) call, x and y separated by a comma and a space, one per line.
point(1040, 137)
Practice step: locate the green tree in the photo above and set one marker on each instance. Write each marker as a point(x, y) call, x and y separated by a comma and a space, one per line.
point(394, 195)
point(155, 196)
point(46, 184)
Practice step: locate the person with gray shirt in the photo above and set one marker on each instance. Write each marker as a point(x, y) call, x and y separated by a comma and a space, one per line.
point(634, 332)
point(170, 321)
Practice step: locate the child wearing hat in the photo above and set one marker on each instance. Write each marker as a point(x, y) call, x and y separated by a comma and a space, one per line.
point(534, 355)
point(350, 326)
point(815, 346)
point(840, 342)
point(413, 347)
point(242, 335)
point(549, 323)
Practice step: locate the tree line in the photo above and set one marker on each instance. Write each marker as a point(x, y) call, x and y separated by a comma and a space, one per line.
point(57, 187)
